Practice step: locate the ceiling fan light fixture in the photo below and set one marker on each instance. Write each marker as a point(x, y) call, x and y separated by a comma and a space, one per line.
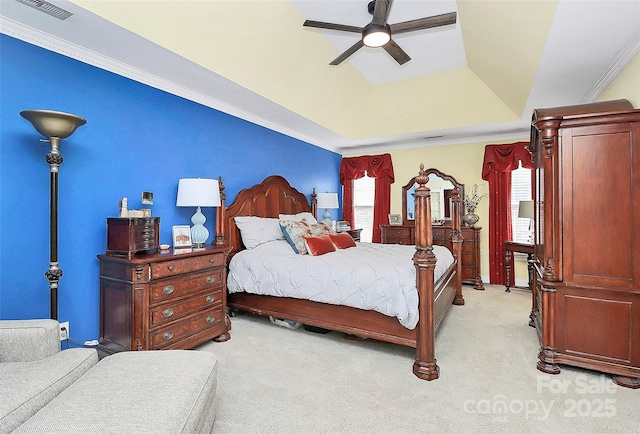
point(375, 35)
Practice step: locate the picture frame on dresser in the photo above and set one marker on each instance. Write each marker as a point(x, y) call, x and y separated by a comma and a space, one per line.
point(181, 235)
point(395, 220)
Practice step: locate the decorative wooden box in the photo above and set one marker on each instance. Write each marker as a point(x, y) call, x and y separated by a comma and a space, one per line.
point(128, 235)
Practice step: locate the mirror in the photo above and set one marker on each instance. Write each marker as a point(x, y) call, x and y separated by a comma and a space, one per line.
point(441, 186)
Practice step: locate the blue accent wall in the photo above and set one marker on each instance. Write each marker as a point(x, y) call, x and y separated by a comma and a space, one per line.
point(137, 138)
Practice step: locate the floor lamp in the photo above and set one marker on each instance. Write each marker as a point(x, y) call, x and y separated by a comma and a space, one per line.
point(55, 126)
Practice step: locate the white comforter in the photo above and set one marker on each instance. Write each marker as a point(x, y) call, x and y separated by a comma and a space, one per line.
point(378, 277)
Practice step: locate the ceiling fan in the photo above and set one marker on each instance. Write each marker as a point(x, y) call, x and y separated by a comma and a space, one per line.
point(378, 32)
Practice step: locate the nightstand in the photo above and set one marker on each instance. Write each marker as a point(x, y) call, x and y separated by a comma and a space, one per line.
point(163, 300)
point(355, 234)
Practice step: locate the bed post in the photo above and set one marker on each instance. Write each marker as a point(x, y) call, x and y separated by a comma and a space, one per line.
point(314, 203)
point(220, 214)
point(456, 241)
point(425, 365)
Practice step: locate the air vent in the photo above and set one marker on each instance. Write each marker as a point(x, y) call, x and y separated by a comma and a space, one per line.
point(47, 8)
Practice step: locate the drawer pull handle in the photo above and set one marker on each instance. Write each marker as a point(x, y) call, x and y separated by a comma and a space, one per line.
point(167, 336)
point(211, 319)
point(171, 267)
point(212, 260)
point(168, 289)
point(210, 299)
point(167, 312)
point(211, 279)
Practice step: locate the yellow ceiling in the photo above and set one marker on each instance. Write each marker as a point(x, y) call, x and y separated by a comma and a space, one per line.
point(261, 45)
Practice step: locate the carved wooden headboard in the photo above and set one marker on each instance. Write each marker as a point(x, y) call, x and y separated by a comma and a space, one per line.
point(271, 197)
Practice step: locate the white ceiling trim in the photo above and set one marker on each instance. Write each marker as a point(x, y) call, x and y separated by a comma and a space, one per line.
point(625, 55)
point(245, 104)
point(515, 131)
point(60, 46)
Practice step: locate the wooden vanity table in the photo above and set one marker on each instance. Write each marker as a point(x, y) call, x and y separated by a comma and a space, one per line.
point(511, 247)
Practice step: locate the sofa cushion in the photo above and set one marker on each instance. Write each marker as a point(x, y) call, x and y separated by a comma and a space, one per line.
point(28, 340)
point(26, 387)
point(169, 391)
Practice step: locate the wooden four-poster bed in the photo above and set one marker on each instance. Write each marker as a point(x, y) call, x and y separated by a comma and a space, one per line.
point(274, 196)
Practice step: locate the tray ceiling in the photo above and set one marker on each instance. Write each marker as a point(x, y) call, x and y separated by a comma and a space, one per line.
point(473, 81)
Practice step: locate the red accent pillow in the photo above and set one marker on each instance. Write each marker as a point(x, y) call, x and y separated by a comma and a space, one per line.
point(319, 245)
point(342, 240)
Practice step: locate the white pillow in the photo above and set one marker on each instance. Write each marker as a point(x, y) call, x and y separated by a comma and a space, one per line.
point(298, 217)
point(257, 230)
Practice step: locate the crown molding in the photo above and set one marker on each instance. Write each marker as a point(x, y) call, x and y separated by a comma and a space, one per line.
point(624, 56)
point(508, 132)
point(58, 45)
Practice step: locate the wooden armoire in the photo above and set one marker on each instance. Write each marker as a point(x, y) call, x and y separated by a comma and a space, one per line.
point(586, 298)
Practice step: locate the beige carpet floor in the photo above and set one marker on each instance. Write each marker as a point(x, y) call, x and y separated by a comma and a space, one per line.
point(275, 380)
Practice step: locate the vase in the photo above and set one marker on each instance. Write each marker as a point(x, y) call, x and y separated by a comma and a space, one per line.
point(470, 218)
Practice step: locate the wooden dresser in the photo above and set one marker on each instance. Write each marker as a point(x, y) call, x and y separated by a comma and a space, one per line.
point(470, 246)
point(586, 304)
point(163, 300)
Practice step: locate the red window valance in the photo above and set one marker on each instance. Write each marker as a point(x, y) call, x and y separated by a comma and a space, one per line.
point(505, 158)
point(379, 167)
point(499, 162)
point(374, 166)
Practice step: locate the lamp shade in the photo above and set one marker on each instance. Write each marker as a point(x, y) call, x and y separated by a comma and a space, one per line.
point(50, 123)
point(198, 192)
point(327, 200)
point(525, 209)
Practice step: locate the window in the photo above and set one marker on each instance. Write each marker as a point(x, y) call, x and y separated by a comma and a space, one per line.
point(363, 198)
point(520, 190)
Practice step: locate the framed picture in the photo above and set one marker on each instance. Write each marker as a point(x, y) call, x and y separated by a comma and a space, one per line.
point(395, 220)
point(181, 236)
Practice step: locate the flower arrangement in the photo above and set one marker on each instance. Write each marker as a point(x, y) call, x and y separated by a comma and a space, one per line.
point(471, 202)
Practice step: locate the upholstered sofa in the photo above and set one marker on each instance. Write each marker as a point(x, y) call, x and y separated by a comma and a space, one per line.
point(44, 389)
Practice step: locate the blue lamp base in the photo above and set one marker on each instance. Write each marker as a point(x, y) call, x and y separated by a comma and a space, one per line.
point(327, 217)
point(199, 234)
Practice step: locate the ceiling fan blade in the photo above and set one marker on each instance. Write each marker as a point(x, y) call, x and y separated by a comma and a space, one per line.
point(396, 52)
point(341, 58)
point(424, 23)
point(332, 26)
point(381, 12)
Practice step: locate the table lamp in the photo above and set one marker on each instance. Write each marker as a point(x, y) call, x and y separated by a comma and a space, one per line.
point(525, 211)
point(198, 192)
point(327, 201)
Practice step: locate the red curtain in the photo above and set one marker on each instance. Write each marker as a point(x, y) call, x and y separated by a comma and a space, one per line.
point(499, 161)
point(374, 166)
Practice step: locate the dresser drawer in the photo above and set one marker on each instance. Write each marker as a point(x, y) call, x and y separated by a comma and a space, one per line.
point(401, 232)
point(185, 265)
point(174, 311)
point(145, 235)
point(397, 234)
point(169, 289)
point(440, 234)
point(394, 240)
point(174, 332)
